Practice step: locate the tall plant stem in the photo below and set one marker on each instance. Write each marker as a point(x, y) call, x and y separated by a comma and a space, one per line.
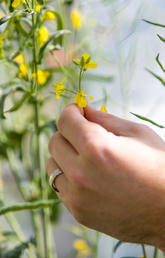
point(49, 252)
point(46, 229)
point(155, 252)
point(36, 215)
point(144, 251)
point(96, 245)
point(80, 78)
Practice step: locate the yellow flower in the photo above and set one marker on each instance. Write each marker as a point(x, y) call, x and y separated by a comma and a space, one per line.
point(16, 3)
point(42, 76)
point(20, 59)
point(38, 8)
point(80, 99)
point(77, 19)
point(103, 108)
point(43, 36)
point(85, 62)
point(48, 15)
point(23, 71)
point(59, 88)
point(82, 247)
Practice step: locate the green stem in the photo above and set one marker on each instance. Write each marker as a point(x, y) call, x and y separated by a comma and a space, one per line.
point(35, 84)
point(36, 216)
point(28, 206)
point(49, 252)
point(144, 251)
point(15, 172)
point(17, 229)
point(80, 78)
point(155, 252)
point(97, 244)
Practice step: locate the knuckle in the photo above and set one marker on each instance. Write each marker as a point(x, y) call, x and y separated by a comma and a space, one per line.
point(50, 145)
point(52, 142)
point(90, 146)
point(94, 149)
point(139, 128)
point(62, 121)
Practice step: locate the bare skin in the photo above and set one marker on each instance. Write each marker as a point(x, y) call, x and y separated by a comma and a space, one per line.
point(114, 174)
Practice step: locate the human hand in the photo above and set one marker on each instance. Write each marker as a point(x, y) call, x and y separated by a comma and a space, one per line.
point(114, 174)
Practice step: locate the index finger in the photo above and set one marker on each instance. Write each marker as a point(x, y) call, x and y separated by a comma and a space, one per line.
point(76, 128)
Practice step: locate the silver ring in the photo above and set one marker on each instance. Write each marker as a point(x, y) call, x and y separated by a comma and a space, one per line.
point(52, 178)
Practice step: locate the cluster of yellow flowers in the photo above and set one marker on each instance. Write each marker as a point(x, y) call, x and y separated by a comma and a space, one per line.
point(42, 76)
point(80, 98)
point(85, 63)
point(23, 69)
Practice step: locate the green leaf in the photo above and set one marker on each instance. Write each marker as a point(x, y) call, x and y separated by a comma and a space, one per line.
point(161, 38)
point(118, 244)
point(157, 77)
point(148, 120)
point(12, 15)
point(159, 63)
point(155, 24)
point(60, 26)
point(3, 98)
point(19, 103)
point(54, 36)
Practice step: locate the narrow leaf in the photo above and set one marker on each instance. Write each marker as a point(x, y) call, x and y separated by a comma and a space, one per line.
point(29, 206)
point(157, 77)
point(155, 24)
point(161, 38)
point(12, 15)
point(3, 98)
point(19, 103)
point(60, 26)
point(148, 120)
point(159, 63)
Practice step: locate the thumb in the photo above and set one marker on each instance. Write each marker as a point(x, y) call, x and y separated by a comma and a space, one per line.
point(111, 123)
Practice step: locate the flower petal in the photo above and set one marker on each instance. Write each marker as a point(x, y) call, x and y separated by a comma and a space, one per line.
point(92, 65)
